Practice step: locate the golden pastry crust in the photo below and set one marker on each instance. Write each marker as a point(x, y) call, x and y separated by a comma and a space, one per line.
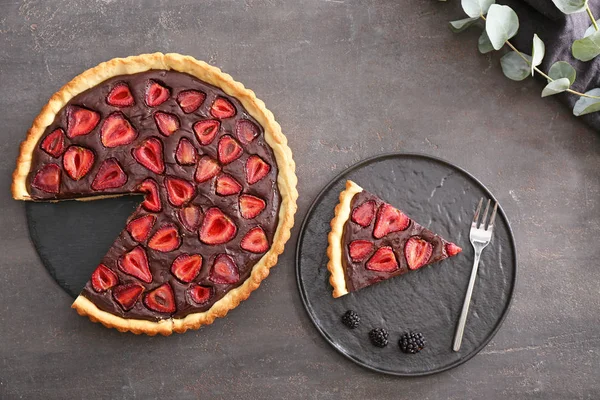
point(87, 308)
point(286, 179)
point(334, 250)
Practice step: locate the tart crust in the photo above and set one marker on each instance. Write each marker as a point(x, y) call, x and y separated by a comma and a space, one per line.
point(334, 250)
point(286, 179)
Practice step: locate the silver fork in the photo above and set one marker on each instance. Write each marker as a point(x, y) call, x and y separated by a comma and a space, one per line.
point(480, 237)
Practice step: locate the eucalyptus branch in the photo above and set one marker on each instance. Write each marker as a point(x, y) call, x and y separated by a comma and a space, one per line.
point(502, 23)
point(509, 44)
point(589, 11)
point(539, 71)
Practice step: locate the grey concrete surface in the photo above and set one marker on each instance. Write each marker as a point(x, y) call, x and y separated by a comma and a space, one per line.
point(347, 79)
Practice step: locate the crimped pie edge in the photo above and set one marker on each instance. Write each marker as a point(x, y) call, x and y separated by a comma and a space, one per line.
point(334, 250)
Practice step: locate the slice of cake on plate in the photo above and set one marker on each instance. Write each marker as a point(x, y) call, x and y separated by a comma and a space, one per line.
point(371, 241)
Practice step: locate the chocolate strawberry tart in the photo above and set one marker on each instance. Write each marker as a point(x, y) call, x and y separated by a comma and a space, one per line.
point(215, 169)
point(371, 241)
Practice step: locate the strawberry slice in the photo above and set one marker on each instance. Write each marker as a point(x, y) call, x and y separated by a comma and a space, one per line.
point(54, 143)
point(149, 153)
point(135, 263)
point(47, 179)
point(167, 123)
point(117, 131)
point(81, 121)
point(139, 228)
point(190, 217)
point(251, 206)
point(120, 96)
point(255, 241)
point(200, 294)
point(207, 169)
point(103, 279)
point(127, 295)
point(161, 299)
point(217, 228)
point(224, 270)
point(417, 252)
point(186, 153)
point(222, 108)
point(383, 260)
point(228, 149)
point(452, 249)
point(206, 130)
point(246, 131)
point(186, 267)
point(227, 185)
point(156, 94)
point(190, 100)
point(165, 239)
point(152, 199)
point(179, 191)
point(256, 169)
point(110, 175)
point(77, 162)
point(389, 219)
point(359, 249)
point(363, 214)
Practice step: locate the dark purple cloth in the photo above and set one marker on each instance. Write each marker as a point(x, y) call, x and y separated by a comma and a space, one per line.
point(558, 31)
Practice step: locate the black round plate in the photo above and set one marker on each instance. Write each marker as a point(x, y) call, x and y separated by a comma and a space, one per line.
point(71, 237)
point(443, 198)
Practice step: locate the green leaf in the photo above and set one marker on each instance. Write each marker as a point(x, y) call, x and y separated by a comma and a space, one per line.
point(537, 52)
point(570, 6)
point(476, 8)
point(483, 44)
point(585, 105)
point(587, 48)
point(591, 29)
point(562, 69)
point(555, 87)
point(501, 24)
point(462, 24)
point(514, 67)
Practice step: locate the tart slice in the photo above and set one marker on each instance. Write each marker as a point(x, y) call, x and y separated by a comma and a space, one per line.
point(371, 241)
point(212, 164)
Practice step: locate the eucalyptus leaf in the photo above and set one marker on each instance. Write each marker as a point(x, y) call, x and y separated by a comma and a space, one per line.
point(537, 52)
point(483, 44)
point(514, 67)
point(555, 87)
point(462, 24)
point(570, 6)
point(585, 105)
point(501, 24)
point(591, 29)
point(587, 48)
point(476, 8)
point(562, 69)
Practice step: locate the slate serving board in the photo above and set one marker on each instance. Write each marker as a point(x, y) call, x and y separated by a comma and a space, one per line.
point(71, 237)
point(443, 198)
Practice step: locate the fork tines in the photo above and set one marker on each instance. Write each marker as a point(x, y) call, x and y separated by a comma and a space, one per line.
point(482, 225)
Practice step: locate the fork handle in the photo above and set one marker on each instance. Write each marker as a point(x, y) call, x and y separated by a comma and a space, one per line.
point(460, 329)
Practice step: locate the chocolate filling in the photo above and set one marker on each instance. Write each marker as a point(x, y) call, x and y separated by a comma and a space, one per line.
point(141, 118)
point(356, 274)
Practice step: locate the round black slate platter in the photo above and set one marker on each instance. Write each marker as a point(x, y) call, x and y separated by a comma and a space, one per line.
point(71, 237)
point(441, 197)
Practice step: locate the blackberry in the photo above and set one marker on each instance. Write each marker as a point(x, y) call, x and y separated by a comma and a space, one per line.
point(412, 342)
point(351, 319)
point(379, 337)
